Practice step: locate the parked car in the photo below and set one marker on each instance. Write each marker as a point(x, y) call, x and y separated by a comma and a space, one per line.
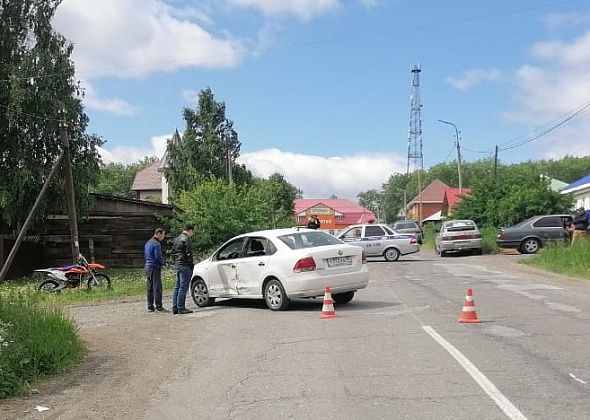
point(379, 240)
point(278, 265)
point(531, 234)
point(409, 226)
point(458, 235)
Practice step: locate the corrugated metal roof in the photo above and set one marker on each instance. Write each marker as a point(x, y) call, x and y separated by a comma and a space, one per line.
point(580, 183)
point(148, 179)
point(453, 196)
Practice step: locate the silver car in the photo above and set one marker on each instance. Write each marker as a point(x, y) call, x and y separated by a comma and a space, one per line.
point(458, 235)
point(379, 240)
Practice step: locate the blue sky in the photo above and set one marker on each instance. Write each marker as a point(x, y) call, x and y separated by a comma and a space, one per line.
point(319, 90)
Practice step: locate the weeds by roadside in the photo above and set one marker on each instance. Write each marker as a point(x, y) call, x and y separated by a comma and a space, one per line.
point(570, 260)
point(36, 339)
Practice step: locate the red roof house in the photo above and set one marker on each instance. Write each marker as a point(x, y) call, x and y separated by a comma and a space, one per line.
point(452, 198)
point(334, 214)
point(437, 201)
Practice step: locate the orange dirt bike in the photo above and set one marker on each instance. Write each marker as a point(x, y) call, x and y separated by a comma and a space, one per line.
point(72, 276)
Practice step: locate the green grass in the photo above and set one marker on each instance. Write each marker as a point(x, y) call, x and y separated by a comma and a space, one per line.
point(124, 283)
point(569, 260)
point(36, 339)
point(488, 235)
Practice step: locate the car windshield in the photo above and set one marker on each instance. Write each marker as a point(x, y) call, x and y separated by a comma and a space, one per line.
point(405, 226)
point(460, 226)
point(300, 240)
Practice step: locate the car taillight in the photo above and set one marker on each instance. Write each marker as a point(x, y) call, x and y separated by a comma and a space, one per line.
point(414, 240)
point(500, 235)
point(446, 238)
point(364, 257)
point(304, 264)
point(477, 236)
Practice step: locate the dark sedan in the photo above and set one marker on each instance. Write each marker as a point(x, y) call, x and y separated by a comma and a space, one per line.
point(531, 234)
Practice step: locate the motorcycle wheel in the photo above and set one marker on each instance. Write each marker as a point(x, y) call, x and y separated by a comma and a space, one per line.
point(48, 286)
point(100, 281)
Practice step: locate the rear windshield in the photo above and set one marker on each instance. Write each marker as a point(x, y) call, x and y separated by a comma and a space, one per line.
point(405, 226)
point(460, 226)
point(300, 240)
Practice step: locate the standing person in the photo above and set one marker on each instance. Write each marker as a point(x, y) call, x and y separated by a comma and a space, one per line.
point(154, 261)
point(580, 224)
point(314, 222)
point(569, 228)
point(183, 262)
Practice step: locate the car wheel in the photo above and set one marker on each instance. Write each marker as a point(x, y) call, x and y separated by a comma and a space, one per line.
point(530, 246)
point(478, 251)
point(343, 298)
point(274, 295)
point(391, 254)
point(200, 294)
point(443, 253)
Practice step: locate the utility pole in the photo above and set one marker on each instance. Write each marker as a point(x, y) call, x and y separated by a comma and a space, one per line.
point(495, 161)
point(23, 231)
point(458, 145)
point(69, 187)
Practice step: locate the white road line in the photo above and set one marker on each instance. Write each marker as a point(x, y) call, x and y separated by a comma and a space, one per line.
point(489, 388)
point(577, 379)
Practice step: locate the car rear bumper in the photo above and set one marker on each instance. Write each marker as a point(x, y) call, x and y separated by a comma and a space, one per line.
point(312, 284)
point(460, 245)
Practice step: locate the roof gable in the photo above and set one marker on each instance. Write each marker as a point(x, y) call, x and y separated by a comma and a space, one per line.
point(453, 196)
point(353, 213)
point(148, 178)
point(433, 193)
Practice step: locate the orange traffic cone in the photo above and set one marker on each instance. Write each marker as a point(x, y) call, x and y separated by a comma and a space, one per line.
point(468, 315)
point(328, 308)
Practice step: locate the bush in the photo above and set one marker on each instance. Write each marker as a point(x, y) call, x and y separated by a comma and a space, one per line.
point(35, 340)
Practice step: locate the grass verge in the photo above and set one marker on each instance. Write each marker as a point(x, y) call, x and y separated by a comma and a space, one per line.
point(36, 339)
point(569, 260)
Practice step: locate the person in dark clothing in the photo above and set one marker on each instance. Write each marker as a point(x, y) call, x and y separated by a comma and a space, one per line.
point(154, 261)
point(314, 222)
point(183, 262)
point(580, 224)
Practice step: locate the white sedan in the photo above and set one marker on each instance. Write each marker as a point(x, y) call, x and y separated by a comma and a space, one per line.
point(278, 265)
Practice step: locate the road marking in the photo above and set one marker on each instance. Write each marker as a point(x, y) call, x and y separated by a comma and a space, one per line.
point(489, 388)
point(577, 379)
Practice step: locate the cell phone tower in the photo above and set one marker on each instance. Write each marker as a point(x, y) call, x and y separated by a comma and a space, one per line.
point(415, 156)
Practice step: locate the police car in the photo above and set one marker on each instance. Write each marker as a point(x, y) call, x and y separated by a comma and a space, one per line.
point(379, 240)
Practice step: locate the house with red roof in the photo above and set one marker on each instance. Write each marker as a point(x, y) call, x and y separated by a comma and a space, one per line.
point(435, 202)
point(334, 214)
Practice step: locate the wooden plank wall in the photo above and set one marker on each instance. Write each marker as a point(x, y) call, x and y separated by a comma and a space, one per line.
point(118, 240)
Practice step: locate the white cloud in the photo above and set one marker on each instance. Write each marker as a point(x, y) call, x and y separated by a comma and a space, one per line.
point(471, 78)
point(132, 38)
point(549, 92)
point(116, 106)
point(344, 176)
point(304, 9)
point(190, 95)
point(127, 154)
point(559, 20)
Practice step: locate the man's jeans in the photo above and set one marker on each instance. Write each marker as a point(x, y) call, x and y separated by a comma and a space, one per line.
point(183, 277)
point(154, 286)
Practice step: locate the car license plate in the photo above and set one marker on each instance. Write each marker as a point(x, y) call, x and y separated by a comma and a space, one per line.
point(339, 261)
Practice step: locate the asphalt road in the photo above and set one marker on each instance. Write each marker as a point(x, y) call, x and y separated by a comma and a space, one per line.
point(395, 352)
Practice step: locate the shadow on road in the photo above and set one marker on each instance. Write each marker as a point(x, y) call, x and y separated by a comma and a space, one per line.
point(304, 305)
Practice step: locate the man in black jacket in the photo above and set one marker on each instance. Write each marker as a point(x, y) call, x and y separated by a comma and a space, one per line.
point(183, 262)
point(580, 224)
point(314, 222)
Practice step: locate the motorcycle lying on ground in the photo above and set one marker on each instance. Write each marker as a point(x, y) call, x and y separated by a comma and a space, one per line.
point(72, 276)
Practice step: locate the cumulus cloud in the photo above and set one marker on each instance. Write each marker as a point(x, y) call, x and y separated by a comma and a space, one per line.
point(304, 9)
point(132, 38)
point(116, 106)
point(546, 93)
point(344, 176)
point(128, 154)
point(471, 78)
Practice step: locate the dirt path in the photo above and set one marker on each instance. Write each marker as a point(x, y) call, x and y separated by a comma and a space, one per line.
point(130, 350)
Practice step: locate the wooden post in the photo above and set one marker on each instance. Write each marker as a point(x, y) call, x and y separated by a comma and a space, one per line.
point(70, 195)
point(91, 247)
point(29, 219)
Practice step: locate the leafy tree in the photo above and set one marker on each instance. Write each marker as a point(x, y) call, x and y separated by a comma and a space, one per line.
point(371, 200)
point(117, 178)
point(207, 146)
point(220, 210)
point(36, 75)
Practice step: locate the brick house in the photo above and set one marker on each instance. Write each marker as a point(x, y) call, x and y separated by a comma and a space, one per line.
point(437, 201)
point(334, 214)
